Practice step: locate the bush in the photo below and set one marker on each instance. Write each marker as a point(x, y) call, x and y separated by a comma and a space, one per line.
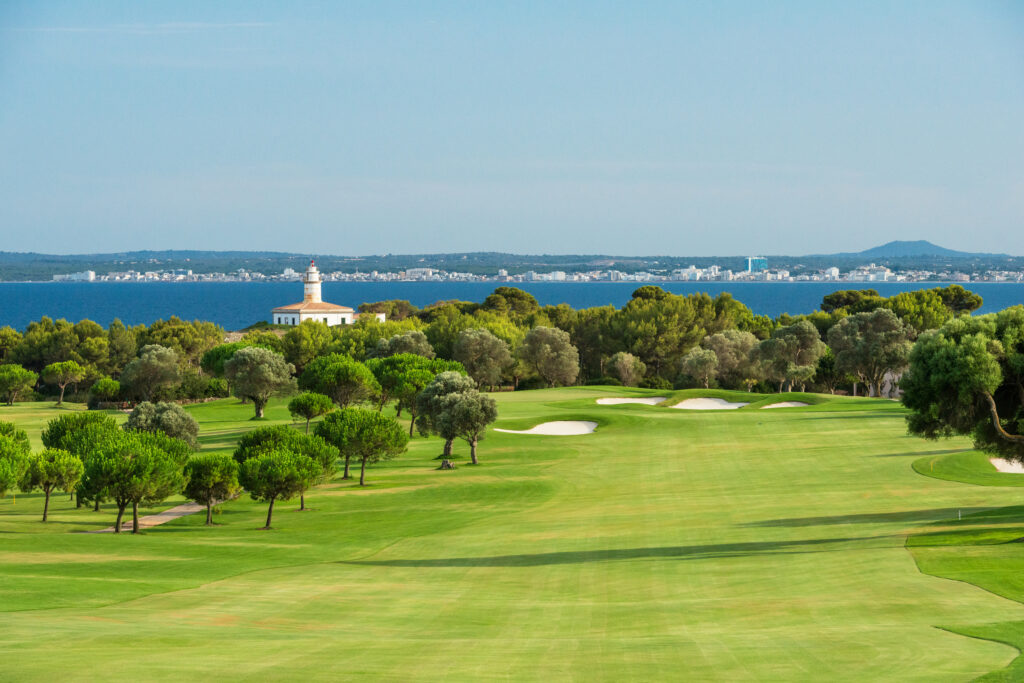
point(655, 383)
point(105, 390)
point(528, 383)
point(608, 381)
point(167, 418)
point(217, 388)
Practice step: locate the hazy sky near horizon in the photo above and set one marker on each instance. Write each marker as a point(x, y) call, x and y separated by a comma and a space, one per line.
point(700, 128)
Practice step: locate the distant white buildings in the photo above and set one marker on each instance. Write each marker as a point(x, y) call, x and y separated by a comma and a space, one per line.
point(84, 276)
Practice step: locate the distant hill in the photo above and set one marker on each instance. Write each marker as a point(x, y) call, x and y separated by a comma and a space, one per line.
point(910, 249)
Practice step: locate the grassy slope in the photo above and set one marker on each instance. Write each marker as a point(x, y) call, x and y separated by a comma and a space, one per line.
point(721, 544)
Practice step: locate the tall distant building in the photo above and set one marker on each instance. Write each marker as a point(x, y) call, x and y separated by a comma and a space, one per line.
point(756, 264)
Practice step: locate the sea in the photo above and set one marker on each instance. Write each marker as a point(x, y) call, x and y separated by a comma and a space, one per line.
point(235, 305)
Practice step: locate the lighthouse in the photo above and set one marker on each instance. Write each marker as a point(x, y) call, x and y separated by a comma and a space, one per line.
point(314, 308)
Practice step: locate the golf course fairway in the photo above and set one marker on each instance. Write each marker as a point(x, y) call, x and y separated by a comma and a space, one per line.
point(668, 544)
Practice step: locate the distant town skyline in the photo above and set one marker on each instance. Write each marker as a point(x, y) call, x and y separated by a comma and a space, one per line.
point(648, 128)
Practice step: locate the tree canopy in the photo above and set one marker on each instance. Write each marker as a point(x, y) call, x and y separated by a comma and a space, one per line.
point(345, 380)
point(257, 374)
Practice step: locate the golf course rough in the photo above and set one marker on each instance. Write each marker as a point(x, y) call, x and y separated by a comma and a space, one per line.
point(709, 545)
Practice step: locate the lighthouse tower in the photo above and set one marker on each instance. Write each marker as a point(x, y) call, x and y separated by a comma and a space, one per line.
point(311, 284)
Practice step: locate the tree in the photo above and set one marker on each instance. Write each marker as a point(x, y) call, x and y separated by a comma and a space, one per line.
point(484, 356)
point(871, 346)
point(304, 342)
point(549, 353)
point(277, 475)
point(213, 360)
point(310, 406)
point(121, 347)
point(62, 374)
point(104, 390)
point(365, 435)
point(52, 469)
point(83, 435)
point(9, 339)
point(344, 380)
point(626, 368)
point(733, 349)
point(189, 340)
point(211, 478)
point(791, 354)
point(466, 415)
point(15, 381)
point(155, 370)
point(413, 341)
point(168, 418)
point(257, 374)
point(282, 437)
point(967, 378)
point(701, 365)
point(430, 405)
point(393, 309)
point(137, 468)
point(659, 327)
point(14, 452)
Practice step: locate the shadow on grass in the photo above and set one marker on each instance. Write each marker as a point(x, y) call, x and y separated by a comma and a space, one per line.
point(921, 454)
point(932, 515)
point(682, 552)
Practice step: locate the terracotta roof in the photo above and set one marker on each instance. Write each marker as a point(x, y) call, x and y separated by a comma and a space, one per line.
point(313, 307)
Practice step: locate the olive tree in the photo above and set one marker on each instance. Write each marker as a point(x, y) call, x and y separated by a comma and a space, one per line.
point(257, 374)
point(62, 374)
point(967, 378)
point(211, 479)
point(791, 354)
point(484, 355)
point(429, 405)
point(733, 349)
point(52, 469)
point(871, 346)
point(15, 381)
point(626, 368)
point(156, 369)
point(548, 352)
point(169, 418)
point(413, 341)
point(701, 365)
point(466, 415)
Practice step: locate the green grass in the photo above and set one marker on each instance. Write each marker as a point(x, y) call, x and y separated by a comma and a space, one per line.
point(669, 544)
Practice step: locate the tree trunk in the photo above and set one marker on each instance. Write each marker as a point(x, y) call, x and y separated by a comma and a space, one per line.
point(412, 421)
point(259, 407)
point(120, 515)
point(854, 388)
point(96, 504)
point(135, 517)
point(362, 473)
point(270, 513)
point(46, 502)
point(209, 512)
point(707, 382)
point(472, 451)
point(60, 399)
point(781, 384)
point(302, 502)
point(307, 425)
point(448, 447)
point(346, 475)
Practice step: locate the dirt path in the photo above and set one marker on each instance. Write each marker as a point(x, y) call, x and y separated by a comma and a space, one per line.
point(157, 519)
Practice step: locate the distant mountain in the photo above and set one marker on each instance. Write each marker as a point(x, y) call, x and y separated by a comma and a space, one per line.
point(911, 249)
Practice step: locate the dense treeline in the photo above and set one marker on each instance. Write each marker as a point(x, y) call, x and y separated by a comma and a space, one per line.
point(657, 339)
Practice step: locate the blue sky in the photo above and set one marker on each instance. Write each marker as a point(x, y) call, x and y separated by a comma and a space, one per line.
point(695, 128)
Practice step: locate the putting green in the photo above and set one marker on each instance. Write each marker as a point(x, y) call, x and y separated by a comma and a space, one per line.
point(723, 545)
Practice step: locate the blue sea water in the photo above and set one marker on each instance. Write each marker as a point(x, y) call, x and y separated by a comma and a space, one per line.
point(235, 305)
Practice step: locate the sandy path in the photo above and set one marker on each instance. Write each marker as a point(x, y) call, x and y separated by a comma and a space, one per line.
point(653, 400)
point(559, 428)
point(157, 519)
point(708, 404)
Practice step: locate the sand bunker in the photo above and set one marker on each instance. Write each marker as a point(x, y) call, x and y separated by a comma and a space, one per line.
point(708, 404)
point(653, 400)
point(559, 428)
point(1007, 466)
point(787, 404)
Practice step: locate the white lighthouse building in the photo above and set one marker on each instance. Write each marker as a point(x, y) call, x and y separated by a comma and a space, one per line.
point(313, 307)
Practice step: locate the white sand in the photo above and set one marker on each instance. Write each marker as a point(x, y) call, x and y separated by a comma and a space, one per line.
point(1007, 466)
point(560, 428)
point(787, 404)
point(653, 400)
point(708, 404)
